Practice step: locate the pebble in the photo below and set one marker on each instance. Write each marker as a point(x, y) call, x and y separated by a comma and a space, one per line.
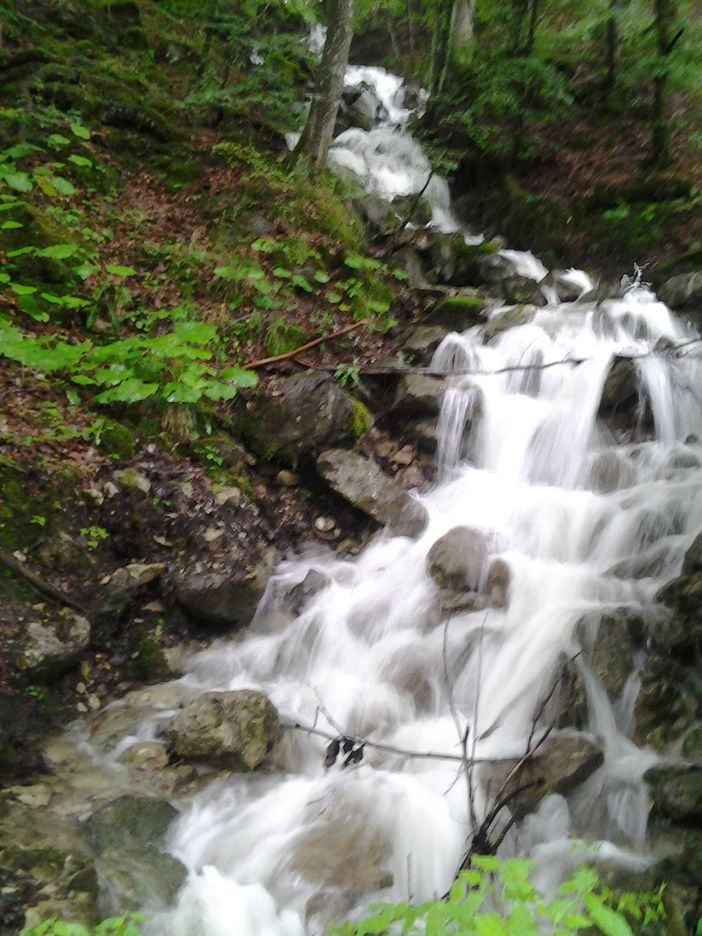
point(324, 524)
point(228, 495)
point(287, 478)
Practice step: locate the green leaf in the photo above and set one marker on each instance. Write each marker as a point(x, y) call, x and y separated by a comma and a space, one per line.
point(10, 225)
point(82, 161)
point(240, 376)
point(57, 140)
point(131, 390)
point(73, 397)
point(22, 290)
point(118, 270)
point(63, 186)
point(19, 181)
point(334, 297)
point(58, 251)
point(607, 921)
point(18, 151)
point(80, 131)
point(32, 308)
point(321, 277)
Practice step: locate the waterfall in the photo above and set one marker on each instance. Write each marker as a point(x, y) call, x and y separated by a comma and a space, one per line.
point(282, 854)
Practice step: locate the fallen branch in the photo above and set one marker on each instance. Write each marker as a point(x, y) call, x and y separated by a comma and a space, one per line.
point(38, 583)
point(288, 355)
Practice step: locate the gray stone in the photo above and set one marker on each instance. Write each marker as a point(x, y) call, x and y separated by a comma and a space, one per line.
point(560, 765)
point(423, 342)
point(676, 792)
point(46, 652)
point(457, 561)
point(231, 729)
point(418, 396)
point(361, 482)
point(510, 318)
point(684, 598)
point(139, 820)
point(683, 291)
point(458, 313)
point(299, 415)
point(304, 591)
point(223, 599)
point(133, 877)
point(621, 406)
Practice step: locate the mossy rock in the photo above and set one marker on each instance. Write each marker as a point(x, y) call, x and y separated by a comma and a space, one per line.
point(360, 420)
point(458, 312)
point(118, 440)
point(39, 229)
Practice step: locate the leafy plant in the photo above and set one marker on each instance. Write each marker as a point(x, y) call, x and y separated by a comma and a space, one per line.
point(93, 535)
point(113, 926)
point(496, 898)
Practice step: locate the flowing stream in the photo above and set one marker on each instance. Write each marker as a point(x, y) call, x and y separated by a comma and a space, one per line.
point(522, 456)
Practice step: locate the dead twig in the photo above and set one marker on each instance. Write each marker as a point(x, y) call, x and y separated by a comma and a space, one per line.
point(288, 355)
point(38, 583)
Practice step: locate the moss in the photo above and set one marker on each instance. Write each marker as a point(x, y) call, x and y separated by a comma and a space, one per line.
point(118, 439)
point(360, 420)
point(457, 312)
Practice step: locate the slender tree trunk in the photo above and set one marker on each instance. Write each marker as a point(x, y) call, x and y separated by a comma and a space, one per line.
point(612, 48)
point(319, 128)
point(454, 39)
point(664, 13)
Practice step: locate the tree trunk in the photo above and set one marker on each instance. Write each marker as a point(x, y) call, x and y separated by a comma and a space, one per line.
point(319, 127)
point(454, 39)
point(664, 14)
point(612, 41)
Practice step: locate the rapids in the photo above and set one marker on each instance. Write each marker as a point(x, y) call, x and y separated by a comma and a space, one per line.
point(280, 854)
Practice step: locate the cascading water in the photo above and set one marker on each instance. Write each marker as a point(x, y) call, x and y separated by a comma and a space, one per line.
point(521, 456)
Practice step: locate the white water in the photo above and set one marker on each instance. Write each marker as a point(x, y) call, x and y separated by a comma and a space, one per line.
point(280, 854)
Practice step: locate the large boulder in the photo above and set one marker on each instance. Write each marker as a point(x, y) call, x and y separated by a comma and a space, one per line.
point(301, 415)
point(623, 408)
point(458, 313)
point(418, 396)
point(132, 870)
point(684, 598)
point(48, 652)
point(457, 561)
point(223, 599)
point(683, 292)
point(676, 792)
point(230, 729)
point(423, 342)
point(361, 482)
point(562, 763)
point(453, 261)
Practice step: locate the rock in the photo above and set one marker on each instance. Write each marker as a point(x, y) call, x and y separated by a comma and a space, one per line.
point(298, 416)
point(132, 479)
point(519, 290)
point(135, 820)
point(684, 598)
point(676, 792)
point(621, 406)
point(424, 434)
point(510, 318)
point(454, 262)
point(123, 586)
point(223, 599)
point(132, 877)
point(304, 591)
point(668, 702)
point(457, 561)
point(287, 478)
point(421, 211)
point(417, 396)
point(410, 260)
point(231, 729)
point(361, 482)
point(228, 495)
point(683, 292)
point(560, 765)
point(132, 871)
point(47, 653)
point(146, 757)
point(423, 342)
point(458, 313)
point(342, 853)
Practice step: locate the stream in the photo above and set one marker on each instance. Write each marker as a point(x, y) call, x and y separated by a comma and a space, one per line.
point(521, 459)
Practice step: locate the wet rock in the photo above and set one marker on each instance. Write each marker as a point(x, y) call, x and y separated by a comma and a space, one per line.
point(132, 877)
point(676, 792)
point(140, 820)
point(424, 434)
point(668, 702)
point(622, 407)
point(453, 261)
point(132, 871)
point(146, 756)
point(510, 318)
point(610, 471)
point(683, 292)
point(223, 599)
point(299, 415)
point(457, 561)
point(678, 854)
point(361, 482)
point(418, 396)
point(47, 652)
point(231, 729)
point(313, 583)
point(684, 598)
point(419, 212)
point(423, 342)
point(458, 313)
point(342, 853)
point(560, 765)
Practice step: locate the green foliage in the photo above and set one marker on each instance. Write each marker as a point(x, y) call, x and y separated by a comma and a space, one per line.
point(114, 926)
point(496, 898)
